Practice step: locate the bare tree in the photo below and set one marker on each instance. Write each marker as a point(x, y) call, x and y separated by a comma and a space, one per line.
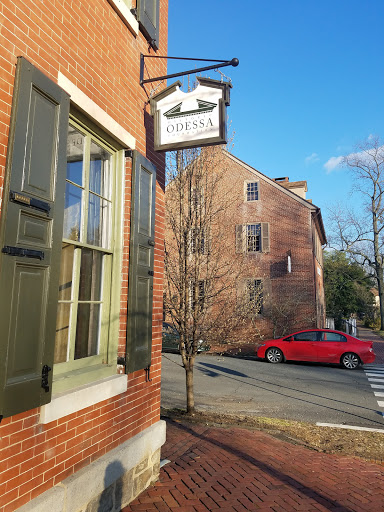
point(200, 268)
point(361, 234)
point(283, 312)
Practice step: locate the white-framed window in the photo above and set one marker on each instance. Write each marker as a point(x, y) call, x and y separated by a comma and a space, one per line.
point(255, 297)
point(198, 241)
point(197, 291)
point(87, 257)
point(251, 191)
point(252, 238)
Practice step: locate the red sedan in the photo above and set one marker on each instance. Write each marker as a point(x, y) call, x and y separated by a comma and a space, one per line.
point(320, 345)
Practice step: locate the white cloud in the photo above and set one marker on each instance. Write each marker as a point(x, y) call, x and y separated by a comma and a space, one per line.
point(311, 159)
point(333, 163)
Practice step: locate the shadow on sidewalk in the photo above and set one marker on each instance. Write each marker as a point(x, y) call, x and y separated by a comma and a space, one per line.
point(298, 486)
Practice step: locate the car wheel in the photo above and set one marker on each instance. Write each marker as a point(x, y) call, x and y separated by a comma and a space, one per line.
point(274, 355)
point(350, 361)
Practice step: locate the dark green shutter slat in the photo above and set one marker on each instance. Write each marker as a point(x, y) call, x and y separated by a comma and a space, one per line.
point(148, 17)
point(36, 167)
point(141, 260)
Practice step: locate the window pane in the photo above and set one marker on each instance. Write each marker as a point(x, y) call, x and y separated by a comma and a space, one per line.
point(87, 330)
point(72, 212)
point(66, 271)
point(306, 336)
point(252, 191)
point(255, 295)
point(62, 333)
point(75, 149)
point(99, 172)
point(253, 237)
point(90, 275)
point(99, 218)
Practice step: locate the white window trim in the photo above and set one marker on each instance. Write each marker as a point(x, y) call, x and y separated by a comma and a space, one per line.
point(96, 113)
point(63, 404)
point(123, 11)
point(245, 191)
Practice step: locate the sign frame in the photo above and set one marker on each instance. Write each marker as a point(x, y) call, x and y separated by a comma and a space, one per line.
point(220, 136)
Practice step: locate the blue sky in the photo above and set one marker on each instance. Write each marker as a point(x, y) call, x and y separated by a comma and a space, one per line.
point(309, 86)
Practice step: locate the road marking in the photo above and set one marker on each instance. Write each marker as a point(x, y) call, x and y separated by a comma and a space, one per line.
point(374, 374)
point(377, 386)
point(350, 427)
point(381, 404)
point(379, 393)
point(376, 380)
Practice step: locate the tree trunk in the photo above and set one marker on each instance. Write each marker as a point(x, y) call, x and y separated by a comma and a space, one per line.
point(380, 286)
point(189, 385)
point(378, 263)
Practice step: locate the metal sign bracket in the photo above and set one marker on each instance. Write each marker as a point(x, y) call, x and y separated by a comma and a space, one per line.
point(219, 64)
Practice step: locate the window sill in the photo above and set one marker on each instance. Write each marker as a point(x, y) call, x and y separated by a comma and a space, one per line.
point(63, 404)
point(126, 15)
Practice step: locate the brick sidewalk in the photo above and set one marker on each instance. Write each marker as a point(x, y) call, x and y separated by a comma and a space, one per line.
point(363, 333)
point(233, 469)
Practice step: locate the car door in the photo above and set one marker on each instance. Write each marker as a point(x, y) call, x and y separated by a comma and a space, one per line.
point(331, 346)
point(303, 346)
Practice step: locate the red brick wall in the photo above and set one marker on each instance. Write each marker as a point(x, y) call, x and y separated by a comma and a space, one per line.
point(290, 233)
point(92, 47)
point(290, 229)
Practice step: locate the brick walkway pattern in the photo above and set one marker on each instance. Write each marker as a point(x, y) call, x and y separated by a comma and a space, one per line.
point(234, 469)
point(378, 343)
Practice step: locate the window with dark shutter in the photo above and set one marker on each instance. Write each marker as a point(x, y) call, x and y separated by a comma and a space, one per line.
point(148, 18)
point(251, 238)
point(31, 229)
point(88, 253)
point(141, 260)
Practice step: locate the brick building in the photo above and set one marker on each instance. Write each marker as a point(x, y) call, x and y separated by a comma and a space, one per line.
point(266, 239)
point(82, 207)
point(280, 234)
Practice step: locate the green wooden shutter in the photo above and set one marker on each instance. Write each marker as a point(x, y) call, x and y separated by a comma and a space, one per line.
point(141, 259)
point(265, 245)
point(30, 235)
point(148, 17)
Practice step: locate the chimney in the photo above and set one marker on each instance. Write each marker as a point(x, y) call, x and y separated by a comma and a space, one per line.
point(298, 187)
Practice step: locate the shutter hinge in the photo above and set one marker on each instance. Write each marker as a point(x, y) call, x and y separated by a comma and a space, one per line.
point(148, 374)
point(134, 12)
point(128, 153)
point(121, 360)
point(44, 377)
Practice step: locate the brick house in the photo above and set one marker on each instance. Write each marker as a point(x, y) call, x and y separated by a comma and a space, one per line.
point(81, 265)
point(280, 233)
point(273, 237)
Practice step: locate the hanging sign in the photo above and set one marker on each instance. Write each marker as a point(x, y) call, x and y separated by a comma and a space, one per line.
point(193, 119)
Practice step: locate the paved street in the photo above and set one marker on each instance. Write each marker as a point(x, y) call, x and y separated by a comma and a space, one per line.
point(297, 391)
